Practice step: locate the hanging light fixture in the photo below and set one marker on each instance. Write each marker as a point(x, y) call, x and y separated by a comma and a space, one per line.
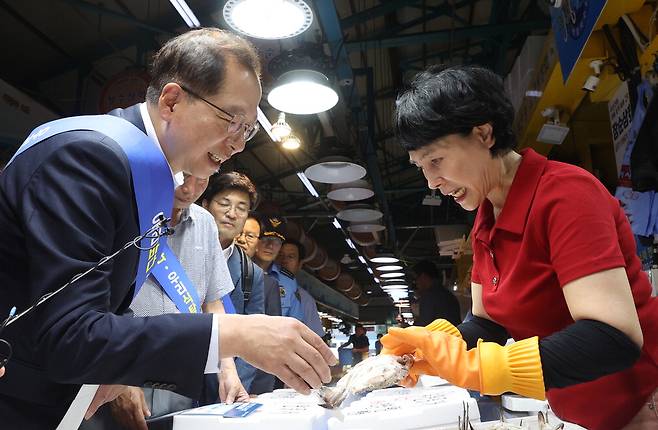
point(385, 259)
point(392, 275)
point(335, 170)
point(351, 191)
point(389, 268)
point(281, 129)
point(268, 19)
point(291, 142)
point(359, 213)
point(302, 92)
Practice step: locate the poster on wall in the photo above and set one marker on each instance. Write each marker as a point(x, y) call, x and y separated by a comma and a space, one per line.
point(573, 22)
point(621, 117)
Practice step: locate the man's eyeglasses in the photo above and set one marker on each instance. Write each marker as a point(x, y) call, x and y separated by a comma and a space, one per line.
point(248, 237)
point(226, 206)
point(236, 123)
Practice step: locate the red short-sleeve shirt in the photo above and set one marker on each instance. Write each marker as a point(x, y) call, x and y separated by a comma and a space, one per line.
point(559, 223)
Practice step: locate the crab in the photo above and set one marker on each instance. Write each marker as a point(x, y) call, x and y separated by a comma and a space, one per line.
point(381, 371)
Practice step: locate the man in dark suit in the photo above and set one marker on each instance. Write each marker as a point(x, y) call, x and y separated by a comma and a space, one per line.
point(68, 201)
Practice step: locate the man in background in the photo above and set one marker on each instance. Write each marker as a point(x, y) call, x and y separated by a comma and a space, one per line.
point(269, 246)
point(434, 300)
point(248, 241)
point(229, 198)
point(290, 257)
point(360, 344)
point(262, 382)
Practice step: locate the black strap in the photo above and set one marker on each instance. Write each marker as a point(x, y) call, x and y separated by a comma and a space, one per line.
point(247, 267)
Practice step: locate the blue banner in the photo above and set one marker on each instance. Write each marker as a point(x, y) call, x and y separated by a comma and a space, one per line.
point(573, 23)
point(154, 193)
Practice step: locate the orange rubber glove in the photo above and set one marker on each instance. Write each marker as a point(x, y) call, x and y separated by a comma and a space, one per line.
point(436, 325)
point(489, 368)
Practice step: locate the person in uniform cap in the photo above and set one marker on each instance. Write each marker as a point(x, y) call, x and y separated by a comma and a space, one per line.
point(269, 245)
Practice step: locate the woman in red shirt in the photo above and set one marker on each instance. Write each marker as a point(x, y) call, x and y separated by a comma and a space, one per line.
point(554, 265)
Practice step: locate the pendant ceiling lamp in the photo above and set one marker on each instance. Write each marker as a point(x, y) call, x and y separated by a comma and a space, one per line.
point(268, 19)
point(359, 213)
point(392, 275)
point(385, 259)
point(389, 268)
point(335, 170)
point(281, 129)
point(291, 142)
point(351, 191)
point(302, 92)
point(365, 227)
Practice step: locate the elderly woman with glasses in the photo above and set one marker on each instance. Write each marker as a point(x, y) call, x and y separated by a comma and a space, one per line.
point(554, 265)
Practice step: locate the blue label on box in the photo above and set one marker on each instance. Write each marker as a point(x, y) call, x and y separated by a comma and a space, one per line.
point(241, 410)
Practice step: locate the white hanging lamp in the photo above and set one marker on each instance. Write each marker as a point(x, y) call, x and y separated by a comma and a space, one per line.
point(281, 129)
point(335, 170)
point(268, 19)
point(302, 92)
point(359, 213)
point(351, 191)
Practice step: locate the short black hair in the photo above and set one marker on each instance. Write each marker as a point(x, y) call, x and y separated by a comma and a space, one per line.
point(428, 268)
point(300, 248)
point(198, 59)
point(258, 218)
point(219, 182)
point(452, 100)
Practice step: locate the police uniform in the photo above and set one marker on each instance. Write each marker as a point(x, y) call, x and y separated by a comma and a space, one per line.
point(291, 305)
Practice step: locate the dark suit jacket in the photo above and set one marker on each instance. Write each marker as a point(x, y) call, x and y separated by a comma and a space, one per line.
point(64, 204)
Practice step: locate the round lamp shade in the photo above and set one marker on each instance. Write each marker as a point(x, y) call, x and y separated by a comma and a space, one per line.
point(365, 227)
point(268, 19)
point(389, 268)
point(302, 92)
point(384, 259)
point(335, 170)
point(359, 213)
point(392, 275)
point(351, 191)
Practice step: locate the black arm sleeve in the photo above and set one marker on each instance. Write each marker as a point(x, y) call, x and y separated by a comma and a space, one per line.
point(481, 328)
point(583, 352)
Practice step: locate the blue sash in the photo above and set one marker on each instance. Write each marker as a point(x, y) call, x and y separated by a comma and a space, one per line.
point(154, 193)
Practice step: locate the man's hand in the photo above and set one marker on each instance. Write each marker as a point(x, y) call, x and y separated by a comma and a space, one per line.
point(104, 394)
point(281, 346)
point(230, 387)
point(130, 410)
point(2, 371)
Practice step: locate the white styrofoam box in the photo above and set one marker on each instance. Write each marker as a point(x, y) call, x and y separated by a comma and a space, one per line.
point(514, 402)
point(278, 414)
point(431, 381)
point(529, 423)
point(407, 409)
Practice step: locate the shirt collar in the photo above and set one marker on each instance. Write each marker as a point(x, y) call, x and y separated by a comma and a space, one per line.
point(150, 132)
point(519, 199)
point(228, 251)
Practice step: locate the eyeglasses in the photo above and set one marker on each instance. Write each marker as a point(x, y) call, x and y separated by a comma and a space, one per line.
point(248, 237)
point(226, 206)
point(236, 122)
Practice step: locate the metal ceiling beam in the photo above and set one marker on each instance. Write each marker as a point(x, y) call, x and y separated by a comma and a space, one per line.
point(328, 17)
point(37, 32)
point(437, 12)
point(484, 31)
point(373, 12)
point(116, 15)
